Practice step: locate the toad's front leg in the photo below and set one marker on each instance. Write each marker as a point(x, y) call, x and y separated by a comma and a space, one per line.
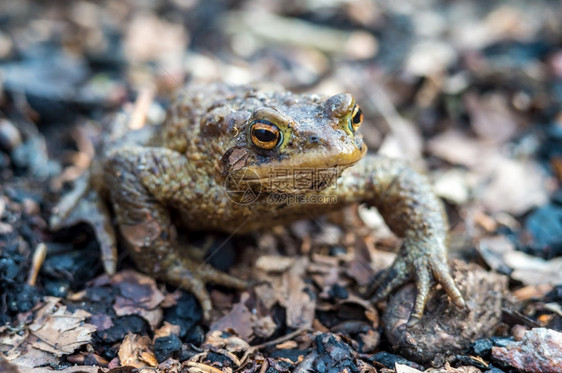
point(143, 183)
point(412, 211)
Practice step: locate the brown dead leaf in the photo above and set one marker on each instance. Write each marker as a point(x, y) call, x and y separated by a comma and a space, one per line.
point(74, 369)
point(532, 270)
point(170, 366)
point(482, 220)
point(452, 185)
point(507, 185)
point(274, 263)
point(53, 333)
point(239, 319)
point(365, 259)
point(300, 302)
point(325, 271)
point(25, 356)
point(457, 148)
point(135, 351)
point(449, 369)
point(148, 36)
point(400, 368)
point(167, 329)
point(515, 187)
point(216, 339)
point(60, 331)
point(371, 340)
point(490, 117)
point(202, 368)
point(139, 295)
point(87, 358)
point(171, 299)
point(265, 293)
point(532, 291)
point(290, 291)
point(247, 323)
point(265, 327)
point(353, 300)
point(287, 345)
point(360, 272)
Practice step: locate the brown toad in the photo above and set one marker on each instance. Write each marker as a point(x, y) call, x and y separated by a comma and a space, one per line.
point(219, 140)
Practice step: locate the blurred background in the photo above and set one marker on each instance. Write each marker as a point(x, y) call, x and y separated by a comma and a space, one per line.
point(435, 62)
point(468, 91)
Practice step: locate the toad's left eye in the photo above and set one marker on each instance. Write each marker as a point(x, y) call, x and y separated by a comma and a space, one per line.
point(265, 135)
point(356, 119)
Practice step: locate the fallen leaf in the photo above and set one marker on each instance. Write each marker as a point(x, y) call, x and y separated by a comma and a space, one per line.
point(274, 263)
point(218, 339)
point(239, 319)
point(135, 351)
point(300, 302)
point(60, 331)
point(490, 117)
point(167, 329)
point(515, 187)
point(400, 368)
point(139, 295)
point(532, 270)
point(53, 333)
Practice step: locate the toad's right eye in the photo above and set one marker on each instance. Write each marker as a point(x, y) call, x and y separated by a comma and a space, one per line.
point(265, 135)
point(356, 119)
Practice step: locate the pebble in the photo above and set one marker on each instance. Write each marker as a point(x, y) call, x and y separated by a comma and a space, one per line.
point(539, 351)
point(10, 137)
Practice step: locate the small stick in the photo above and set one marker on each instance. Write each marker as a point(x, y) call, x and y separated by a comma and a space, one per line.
point(283, 338)
point(142, 104)
point(39, 256)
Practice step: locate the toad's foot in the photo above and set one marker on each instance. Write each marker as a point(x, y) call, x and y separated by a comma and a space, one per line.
point(412, 211)
point(193, 275)
point(417, 261)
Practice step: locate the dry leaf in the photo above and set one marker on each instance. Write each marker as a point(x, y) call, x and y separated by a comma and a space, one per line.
point(400, 368)
point(139, 295)
point(60, 331)
point(135, 352)
point(532, 270)
point(53, 333)
point(217, 339)
point(300, 303)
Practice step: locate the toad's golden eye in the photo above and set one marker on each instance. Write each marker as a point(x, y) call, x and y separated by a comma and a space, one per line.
point(265, 135)
point(356, 119)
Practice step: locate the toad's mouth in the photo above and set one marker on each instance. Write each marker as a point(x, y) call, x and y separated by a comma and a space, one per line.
point(302, 165)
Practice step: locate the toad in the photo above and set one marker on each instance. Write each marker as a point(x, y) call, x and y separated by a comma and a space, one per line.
point(240, 158)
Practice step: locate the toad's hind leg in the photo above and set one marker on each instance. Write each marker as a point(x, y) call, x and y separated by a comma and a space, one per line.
point(143, 183)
